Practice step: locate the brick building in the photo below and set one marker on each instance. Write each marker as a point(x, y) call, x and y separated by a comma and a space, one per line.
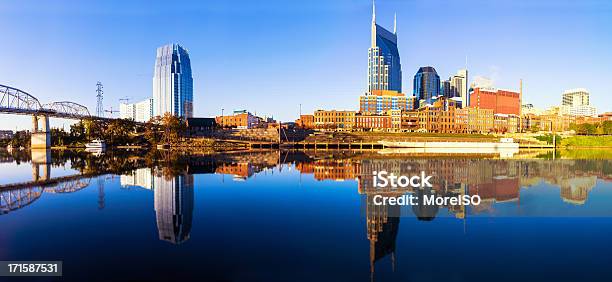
point(240, 119)
point(474, 120)
point(373, 121)
point(333, 119)
point(498, 100)
point(305, 121)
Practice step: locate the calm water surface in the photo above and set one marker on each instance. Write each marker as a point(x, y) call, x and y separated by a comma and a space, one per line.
point(303, 216)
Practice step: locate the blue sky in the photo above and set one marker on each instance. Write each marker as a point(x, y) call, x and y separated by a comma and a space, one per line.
point(270, 56)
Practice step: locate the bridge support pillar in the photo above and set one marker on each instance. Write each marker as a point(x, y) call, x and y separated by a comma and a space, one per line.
point(41, 164)
point(41, 137)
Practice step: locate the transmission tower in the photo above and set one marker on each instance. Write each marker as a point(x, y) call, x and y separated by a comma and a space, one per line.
point(100, 96)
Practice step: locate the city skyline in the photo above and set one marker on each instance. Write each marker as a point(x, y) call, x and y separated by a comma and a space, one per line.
point(532, 42)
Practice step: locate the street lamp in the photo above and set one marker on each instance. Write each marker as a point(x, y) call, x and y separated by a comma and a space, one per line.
point(222, 122)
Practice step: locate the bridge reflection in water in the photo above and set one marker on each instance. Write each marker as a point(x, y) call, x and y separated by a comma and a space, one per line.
point(494, 180)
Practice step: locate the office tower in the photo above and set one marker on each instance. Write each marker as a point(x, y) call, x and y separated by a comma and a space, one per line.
point(446, 90)
point(173, 201)
point(459, 86)
point(384, 68)
point(576, 102)
point(426, 84)
point(172, 82)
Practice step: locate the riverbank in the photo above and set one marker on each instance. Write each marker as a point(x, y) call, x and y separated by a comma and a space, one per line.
point(587, 141)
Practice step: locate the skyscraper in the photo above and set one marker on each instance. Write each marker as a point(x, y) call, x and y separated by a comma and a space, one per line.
point(384, 68)
point(172, 82)
point(173, 202)
point(426, 84)
point(459, 86)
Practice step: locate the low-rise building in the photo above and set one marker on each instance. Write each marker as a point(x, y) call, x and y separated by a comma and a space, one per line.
point(503, 123)
point(240, 119)
point(196, 126)
point(367, 121)
point(475, 120)
point(440, 117)
point(305, 121)
point(410, 120)
point(334, 119)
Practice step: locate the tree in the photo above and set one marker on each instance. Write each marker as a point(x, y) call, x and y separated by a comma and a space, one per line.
point(152, 130)
point(174, 127)
point(607, 127)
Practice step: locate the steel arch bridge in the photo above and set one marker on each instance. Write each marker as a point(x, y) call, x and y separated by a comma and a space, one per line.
point(68, 186)
point(67, 109)
point(11, 200)
point(14, 199)
point(16, 101)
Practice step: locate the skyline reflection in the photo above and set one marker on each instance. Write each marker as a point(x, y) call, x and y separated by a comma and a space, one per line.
point(168, 185)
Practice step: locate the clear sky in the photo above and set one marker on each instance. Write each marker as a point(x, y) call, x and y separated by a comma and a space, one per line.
point(270, 56)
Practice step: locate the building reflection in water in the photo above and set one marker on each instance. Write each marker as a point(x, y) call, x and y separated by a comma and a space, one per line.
point(495, 181)
point(173, 201)
point(173, 206)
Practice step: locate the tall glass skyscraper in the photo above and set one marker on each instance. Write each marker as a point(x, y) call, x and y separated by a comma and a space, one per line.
point(172, 82)
point(426, 84)
point(384, 68)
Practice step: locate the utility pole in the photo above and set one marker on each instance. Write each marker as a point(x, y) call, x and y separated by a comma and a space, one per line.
point(100, 97)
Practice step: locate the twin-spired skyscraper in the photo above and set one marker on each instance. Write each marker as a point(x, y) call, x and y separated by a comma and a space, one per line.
point(172, 82)
point(384, 68)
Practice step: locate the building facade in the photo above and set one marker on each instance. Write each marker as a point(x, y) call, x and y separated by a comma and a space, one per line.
point(426, 84)
point(241, 119)
point(575, 102)
point(373, 121)
point(333, 119)
point(459, 87)
point(172, 82)
point(305, 121)
point(139, 112)
point(384, 68)
point(500, 101)
point(127, 111)
point(439, 117)
point(380, 101)
point(475, 120)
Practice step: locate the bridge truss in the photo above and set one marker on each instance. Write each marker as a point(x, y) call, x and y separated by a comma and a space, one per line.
point(11, 200)
point(15, 101)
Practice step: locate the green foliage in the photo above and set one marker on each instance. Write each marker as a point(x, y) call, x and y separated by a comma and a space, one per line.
point(588, 141)
point(600, 128)
point(548, 138)
point(591, 153)
point(20, 139)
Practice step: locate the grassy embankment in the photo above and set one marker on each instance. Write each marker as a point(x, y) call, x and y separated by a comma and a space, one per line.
point(587, 141)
